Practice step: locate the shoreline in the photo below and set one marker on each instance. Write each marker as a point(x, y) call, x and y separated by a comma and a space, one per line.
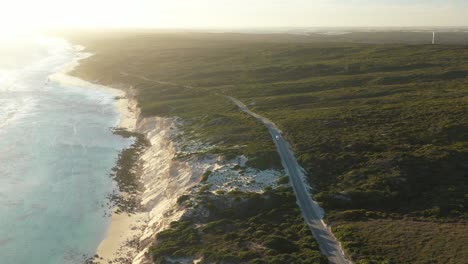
point(163, 179)
point(123, 228)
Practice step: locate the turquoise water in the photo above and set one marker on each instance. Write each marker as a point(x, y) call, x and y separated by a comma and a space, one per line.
point(56, 151)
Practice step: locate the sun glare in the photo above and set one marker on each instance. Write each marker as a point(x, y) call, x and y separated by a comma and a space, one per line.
point(16, 20)
point(23, 16)
point(19, 16)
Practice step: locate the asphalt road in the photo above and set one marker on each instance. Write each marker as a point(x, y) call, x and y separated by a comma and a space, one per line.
point(311, 211)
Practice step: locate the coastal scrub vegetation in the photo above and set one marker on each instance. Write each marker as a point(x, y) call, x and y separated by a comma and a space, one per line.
point(381, 129)
point(241, 228)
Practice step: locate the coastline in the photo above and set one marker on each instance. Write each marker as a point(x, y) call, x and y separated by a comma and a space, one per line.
point(164, 176)
point(123, 227)
point(163, 179)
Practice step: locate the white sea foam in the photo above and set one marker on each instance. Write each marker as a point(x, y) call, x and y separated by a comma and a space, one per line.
point(24, 66)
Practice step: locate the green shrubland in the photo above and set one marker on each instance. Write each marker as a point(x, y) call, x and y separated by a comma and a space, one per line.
point(380, 129)
point(242, 228)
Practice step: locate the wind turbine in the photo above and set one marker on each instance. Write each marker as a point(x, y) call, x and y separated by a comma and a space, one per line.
point(433, 38)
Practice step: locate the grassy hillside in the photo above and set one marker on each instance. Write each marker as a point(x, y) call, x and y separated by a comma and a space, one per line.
point(381, 129)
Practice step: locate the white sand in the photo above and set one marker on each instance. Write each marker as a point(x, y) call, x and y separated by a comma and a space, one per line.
point(128, 112)
point(164, 179)
point(124, 230)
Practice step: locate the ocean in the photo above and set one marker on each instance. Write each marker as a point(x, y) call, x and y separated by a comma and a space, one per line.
point(56, 152)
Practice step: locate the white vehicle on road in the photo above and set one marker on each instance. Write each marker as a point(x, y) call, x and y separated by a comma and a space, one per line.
point(277, 137)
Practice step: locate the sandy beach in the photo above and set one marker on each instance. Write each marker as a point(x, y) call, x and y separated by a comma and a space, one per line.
point(124, 231)
point(164, 179)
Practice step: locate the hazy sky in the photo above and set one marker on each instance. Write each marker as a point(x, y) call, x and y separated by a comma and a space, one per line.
point(16, 14)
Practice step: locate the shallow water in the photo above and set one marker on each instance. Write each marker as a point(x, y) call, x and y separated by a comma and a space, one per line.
point(56, 152)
